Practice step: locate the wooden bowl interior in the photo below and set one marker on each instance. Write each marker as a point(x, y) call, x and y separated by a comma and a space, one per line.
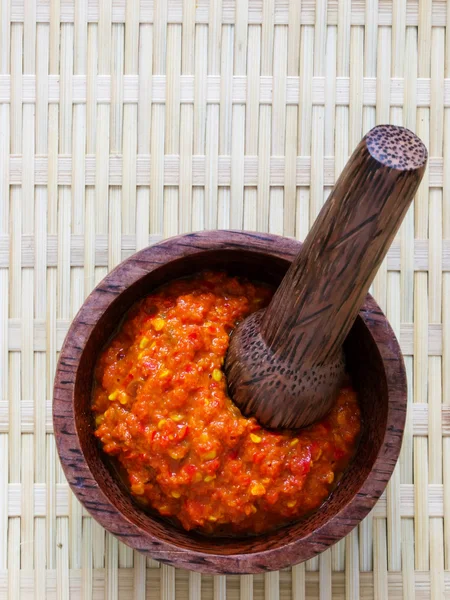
point(364, 364)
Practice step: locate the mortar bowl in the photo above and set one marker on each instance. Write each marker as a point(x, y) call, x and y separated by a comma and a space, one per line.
point(374, 362)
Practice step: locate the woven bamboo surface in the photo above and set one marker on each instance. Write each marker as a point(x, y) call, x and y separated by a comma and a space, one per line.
point(123, 122)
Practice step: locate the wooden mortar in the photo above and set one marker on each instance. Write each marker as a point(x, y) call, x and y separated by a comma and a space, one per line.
point(373, 359)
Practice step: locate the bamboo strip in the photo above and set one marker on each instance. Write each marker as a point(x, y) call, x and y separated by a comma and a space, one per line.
point(130, 114)
point(4, 224)
point(91, 119)
point(43, 493)
point(172, 134)
point(62, 559)
point(171, 170)
point(195, 586)
point(252, 116)
point(102, 128)
point(239, 120)
point(116, 213)
point(40, 282)
point(212, 117)
point(27, 356)
point(4, 287)
point(293, 53)
point(298, 582)
point(111, 567)
point(99, 134)
point(276, 194)
point(4, 500)
point(201, 69)
point(265, 114)
point(220, 588)
point(272, 586)
point(31, 248)
point(27, 508)
point(341, 151)
point(352, 577)
point(246, 591)
point(407, 311)
point(98, 546)
point(186, 130)
point(148, 13)
point(421, 311)
point(52, 228)
point(445, 306)
point(399, 50)
point(330, 95)
point(356, 89)
point(446, 394)
point(14, 558)
point(393, 490)
point(380, 577)
point(304, 121)
point(395, 587)
point(144, 119)
point(158, 121)
point(225, 124)
point(125, 556)
point(14, 526)
point(325, 580)
point(317, 138)
point(435, 308)
point(131, 84)
point(86, 561)
point(140, 576)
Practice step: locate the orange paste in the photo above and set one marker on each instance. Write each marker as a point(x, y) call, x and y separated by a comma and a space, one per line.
point(161, 407)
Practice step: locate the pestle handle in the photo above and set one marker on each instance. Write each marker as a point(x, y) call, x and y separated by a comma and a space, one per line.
point(319, 298)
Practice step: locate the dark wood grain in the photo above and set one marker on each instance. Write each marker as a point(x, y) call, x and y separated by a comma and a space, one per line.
point(374, 361)
point(285, 365)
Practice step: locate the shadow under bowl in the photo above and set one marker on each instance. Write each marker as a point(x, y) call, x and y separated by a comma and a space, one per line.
point(374, 362)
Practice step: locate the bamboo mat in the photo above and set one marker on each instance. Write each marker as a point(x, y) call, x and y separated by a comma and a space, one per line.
point(123, 122)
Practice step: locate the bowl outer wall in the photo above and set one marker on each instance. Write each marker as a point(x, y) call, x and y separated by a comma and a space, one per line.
point(83, 482)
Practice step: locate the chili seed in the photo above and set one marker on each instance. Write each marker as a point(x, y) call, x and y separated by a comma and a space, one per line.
point(158, 324)
point(258, 489)
point(144, 342)
point(210, 455)
point(217, 375)
point(138, 489)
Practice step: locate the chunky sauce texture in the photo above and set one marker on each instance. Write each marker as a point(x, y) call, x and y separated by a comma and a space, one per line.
point(161, 407)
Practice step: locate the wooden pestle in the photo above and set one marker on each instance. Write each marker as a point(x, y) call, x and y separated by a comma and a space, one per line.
point(285, 364)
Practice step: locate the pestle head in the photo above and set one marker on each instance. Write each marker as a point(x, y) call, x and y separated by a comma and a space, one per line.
point(305, 392)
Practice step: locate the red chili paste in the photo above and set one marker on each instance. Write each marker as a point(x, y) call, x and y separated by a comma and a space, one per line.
point(162, 409)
